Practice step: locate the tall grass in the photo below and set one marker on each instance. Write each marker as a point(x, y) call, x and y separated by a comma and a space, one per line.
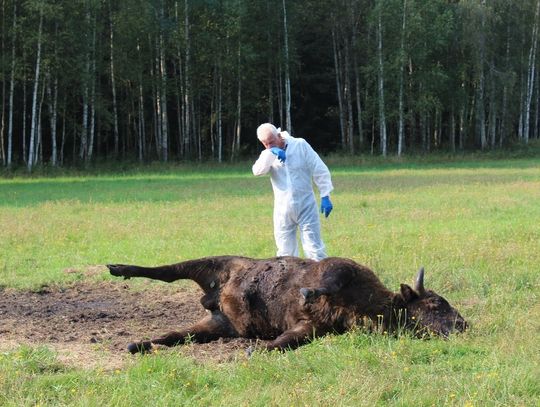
point(473, 225)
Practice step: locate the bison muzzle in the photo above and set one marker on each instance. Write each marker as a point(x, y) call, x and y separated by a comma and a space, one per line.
point(289, 300)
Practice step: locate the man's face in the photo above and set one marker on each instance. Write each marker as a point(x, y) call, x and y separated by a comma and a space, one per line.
point(270, 141)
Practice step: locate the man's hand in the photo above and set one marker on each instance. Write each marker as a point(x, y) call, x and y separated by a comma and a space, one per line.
point(279, 153)
point(326, 206)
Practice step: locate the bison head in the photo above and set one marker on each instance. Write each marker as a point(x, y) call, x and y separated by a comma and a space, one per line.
point(429, 313)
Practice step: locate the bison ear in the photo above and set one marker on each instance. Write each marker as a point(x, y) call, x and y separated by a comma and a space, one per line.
point(408, 293)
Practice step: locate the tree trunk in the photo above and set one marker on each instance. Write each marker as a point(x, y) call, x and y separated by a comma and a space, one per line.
point(163, 84)
point(180, 116)
point(401, 79)
point(219, 124)
point(12, 90)
point(536, 106)
point(196, 118)
point(53, 103)
point(38, 156)
point(357, 88)
point(157, 101)
point(213, 117)
point(423, 131)
point(92, 126)
point(269, 69)
point(502, 134)
point(530, 75)
point(348, 99)
point(62, 144)
point(428, 132)
point(24, 117)
point(74, 147)
point(33, 129)
point(113, 85)
point(481, 112)
point(382, 115)
point(521, 113)
point(141, 122)
point(3, 75)
point(187, 87)
point(338, 86)
point(178, 95)
point(492, 117)
point(83, 150)
point(236, 139)
point(287, 77)
point(372, 149)
point(452, 135)
point(280, 94)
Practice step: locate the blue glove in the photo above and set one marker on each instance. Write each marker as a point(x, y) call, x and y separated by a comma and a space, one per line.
point(326, 206)
point(280, 153)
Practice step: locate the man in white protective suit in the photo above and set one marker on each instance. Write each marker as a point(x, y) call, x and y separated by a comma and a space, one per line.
point(294, 166)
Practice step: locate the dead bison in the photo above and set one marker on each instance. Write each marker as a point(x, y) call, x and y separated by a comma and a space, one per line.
point(290, 300)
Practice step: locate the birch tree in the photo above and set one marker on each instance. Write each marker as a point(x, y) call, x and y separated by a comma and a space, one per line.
point(531, 72)
point(401, 135)
point(356, 68)
point(154, 80)
point(287, 74)
point(52, 94)
point(34, 121)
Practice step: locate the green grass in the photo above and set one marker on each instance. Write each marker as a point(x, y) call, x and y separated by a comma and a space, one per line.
point(474, 225)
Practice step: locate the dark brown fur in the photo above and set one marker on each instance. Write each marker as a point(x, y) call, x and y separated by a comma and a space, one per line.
point(290, 300)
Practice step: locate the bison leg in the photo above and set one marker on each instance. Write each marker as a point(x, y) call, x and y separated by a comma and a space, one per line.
point(208, 329)
point(293, 338)
point(204, 271)
point(163, 273)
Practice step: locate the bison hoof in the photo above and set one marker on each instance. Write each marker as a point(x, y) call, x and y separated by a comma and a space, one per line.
point(141, 347)
point(118, 270)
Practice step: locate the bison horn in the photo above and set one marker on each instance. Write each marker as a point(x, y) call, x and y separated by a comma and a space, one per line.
point(419, 283)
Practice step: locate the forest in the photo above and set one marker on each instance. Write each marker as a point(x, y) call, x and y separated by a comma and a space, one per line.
point(86, 81)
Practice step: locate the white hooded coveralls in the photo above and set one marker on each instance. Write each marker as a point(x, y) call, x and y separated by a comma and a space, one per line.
point(295, 205)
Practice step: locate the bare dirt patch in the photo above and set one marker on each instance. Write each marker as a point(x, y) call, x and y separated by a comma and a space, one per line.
point(90, 324)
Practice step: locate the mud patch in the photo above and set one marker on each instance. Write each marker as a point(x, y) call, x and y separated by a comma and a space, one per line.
point(90, 324)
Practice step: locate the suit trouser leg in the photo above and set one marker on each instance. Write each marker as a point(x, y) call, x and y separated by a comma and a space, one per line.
point(285, 236)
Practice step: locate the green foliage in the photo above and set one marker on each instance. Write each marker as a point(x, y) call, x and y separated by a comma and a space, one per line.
point(232, 52)
point(470, 223)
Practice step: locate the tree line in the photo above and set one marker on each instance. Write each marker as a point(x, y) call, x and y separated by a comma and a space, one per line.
point(87, 80)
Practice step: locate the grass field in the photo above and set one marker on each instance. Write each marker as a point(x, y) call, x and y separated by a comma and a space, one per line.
point(474, 225)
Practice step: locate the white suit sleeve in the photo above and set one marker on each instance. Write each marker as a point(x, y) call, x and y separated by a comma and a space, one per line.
point(263, 163)
point(321, 173)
